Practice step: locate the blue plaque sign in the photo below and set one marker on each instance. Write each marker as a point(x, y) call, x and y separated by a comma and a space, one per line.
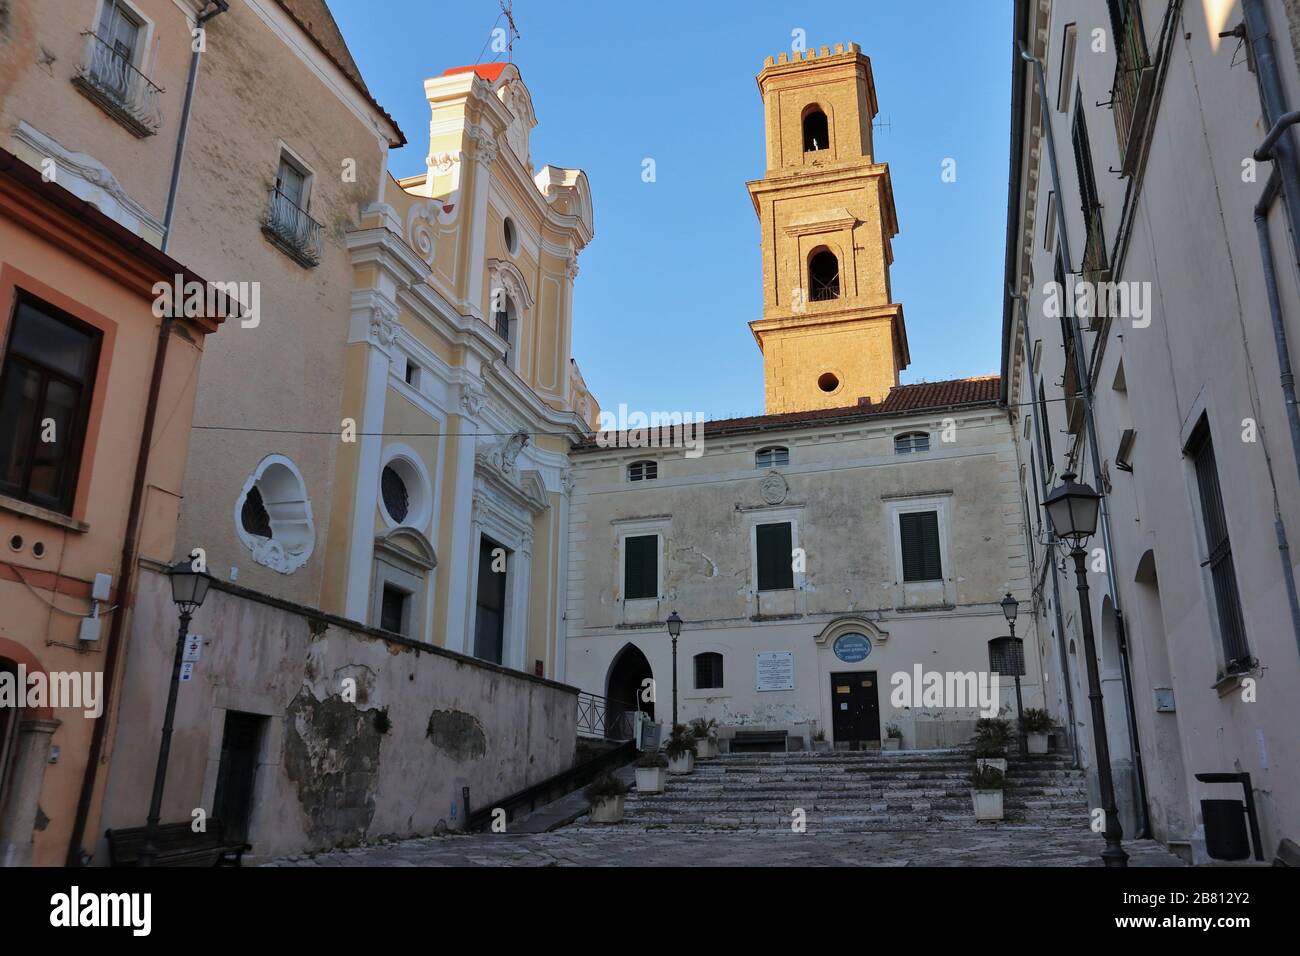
point(851, 648)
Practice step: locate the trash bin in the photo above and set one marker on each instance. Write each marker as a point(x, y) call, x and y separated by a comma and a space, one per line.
point(1225, 829)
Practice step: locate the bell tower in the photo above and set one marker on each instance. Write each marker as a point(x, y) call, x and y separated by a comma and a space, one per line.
point(830, 332)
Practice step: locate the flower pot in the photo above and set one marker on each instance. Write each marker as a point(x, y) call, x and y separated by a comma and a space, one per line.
point(999, 762)
point(607, 810)
point(683, 764)
point(892, 743)
point(1037, 742)
point(649, 779)
point(988, 804)
point(705, 747)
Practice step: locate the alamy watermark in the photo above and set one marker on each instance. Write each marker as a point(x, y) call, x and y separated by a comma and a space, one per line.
point(78, 690)
point(210, 300)
point(922, 688)
point(653, 430)
point(1088, 300)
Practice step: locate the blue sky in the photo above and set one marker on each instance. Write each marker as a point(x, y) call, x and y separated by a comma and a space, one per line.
point(661, 311)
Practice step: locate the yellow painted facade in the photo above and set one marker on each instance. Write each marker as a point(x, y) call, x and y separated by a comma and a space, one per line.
point(830, 332)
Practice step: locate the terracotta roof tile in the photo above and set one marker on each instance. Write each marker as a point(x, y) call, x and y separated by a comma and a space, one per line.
point(984, 390)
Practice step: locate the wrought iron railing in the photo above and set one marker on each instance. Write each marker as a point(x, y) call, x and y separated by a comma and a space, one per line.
point(109, 78)
point(1132, 70)
point(604, 718)
point(823, 290)
point(289, 227)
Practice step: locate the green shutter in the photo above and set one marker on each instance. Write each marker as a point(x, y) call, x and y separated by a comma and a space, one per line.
point(775, 556)
point(919, 534)
point(641, 567)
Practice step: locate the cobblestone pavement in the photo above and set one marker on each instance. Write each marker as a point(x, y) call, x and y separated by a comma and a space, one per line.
point(643, 846)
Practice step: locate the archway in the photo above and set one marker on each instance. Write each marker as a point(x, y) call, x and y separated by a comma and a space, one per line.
point(25, 735)
point(624, 690)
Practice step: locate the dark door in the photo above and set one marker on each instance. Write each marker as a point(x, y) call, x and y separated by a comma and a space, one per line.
point(490, 613)
point(855, 709)
point(240, 743)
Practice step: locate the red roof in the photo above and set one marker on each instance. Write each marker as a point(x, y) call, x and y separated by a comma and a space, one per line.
point(486, 71)
point(984, 390)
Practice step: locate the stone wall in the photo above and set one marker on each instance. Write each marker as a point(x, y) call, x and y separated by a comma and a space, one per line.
point(363, 735)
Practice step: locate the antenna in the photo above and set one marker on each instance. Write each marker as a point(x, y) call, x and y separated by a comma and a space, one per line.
point(512, 31)
point(882, 124)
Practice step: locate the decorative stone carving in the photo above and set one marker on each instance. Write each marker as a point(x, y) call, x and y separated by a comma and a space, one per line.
point(568, 481)
point(485, 146)
point(773, 488)
point(383, 325)
point(472, 398)
point(510, 451)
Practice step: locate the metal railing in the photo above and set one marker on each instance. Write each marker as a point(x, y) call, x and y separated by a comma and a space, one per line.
point(292, 229)
point(1132, 63)
point(109, 78)
point(607, 719)
point(825, 290)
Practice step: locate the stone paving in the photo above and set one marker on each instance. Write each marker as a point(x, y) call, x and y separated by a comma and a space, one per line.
point(628, 845)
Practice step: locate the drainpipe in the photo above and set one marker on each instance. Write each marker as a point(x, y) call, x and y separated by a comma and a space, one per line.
point(221, 7)
point(77, 855)
point(1288, 378)
point(1090, 425)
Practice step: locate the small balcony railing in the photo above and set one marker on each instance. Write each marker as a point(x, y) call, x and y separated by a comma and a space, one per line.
point(290, 228)
point(1131, 91)
point(604, 718)
point(119, 88)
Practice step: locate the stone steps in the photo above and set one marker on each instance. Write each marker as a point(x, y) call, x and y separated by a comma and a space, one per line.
point(860, 790)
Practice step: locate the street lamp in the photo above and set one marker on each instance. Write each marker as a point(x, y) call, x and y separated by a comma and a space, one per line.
point(674, 629)
point(1015, 656)
point(189, 588)
point(1072, 509)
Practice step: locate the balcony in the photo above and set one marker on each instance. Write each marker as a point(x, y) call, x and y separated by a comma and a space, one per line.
point(118, 88)
point(294, 232)
point(1133, 85)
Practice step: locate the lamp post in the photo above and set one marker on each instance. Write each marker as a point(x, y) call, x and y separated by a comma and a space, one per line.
point(1072, 509)
point(189, 588)
point(1010, 607)
point(674, 629)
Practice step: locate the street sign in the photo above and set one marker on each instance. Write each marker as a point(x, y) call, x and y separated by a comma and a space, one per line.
point(193, 648)
point(187, 671)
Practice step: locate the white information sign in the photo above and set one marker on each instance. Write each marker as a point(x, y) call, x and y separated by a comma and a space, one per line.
point(775, 670)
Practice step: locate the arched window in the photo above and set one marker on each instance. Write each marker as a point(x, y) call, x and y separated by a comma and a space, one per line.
point(643, 471)
point(816, 131)
point(505, 322)
point(910, 442)
point(774, 456)
point(823, 276)
point(708, 670)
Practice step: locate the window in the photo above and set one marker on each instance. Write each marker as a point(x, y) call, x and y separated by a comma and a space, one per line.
point(643, 471)
point(708, 671)
point(45, 391)
point(510, 235)
point(1049, 224)
point(828, 382)
point(287, 221)
point(505, 321)
point(918, 533)
point(910, 442)
point(640, 567)
point(392, 615)
point(397, 500)
point(1227, 598)
point(413, 373)
point(823, 276)
point(273, 516)
point(119, 28)
point(816, 131)
point(775, 548)
point(1045, 430)
point(773, 457)
point(1065, 82)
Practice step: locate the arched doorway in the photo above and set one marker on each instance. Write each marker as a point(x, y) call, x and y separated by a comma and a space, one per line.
point(624, 691)
point(25, 734)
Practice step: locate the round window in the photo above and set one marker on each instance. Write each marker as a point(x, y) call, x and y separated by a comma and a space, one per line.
point(511, 237)
point(828, 382)
point(397, 499)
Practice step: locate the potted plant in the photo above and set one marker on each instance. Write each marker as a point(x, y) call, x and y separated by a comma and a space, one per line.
point(991, 736)
point(986, 793)
point(706, 737)
point(650, 772)
point(893, 737)
point(820, 743)
point(606, 794)
point(1036, 724)
point(680, 750)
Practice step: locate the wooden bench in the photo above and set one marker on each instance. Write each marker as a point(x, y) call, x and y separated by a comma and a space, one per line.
point(177, 845)
point(758, 741)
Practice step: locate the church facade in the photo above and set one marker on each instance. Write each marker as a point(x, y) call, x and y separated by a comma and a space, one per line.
point(837, 556)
